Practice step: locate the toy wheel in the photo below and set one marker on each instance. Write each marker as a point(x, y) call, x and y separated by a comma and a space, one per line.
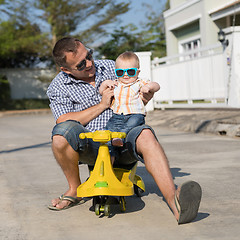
point(138, 191)
point(97, 209)
point(122, 203)
point(107, 210)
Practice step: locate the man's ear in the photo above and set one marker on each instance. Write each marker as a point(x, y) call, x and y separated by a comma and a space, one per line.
point(65, 70)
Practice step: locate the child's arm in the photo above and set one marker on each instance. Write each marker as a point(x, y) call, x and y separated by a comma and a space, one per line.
point(107, 84)
point(147, 91)
point(150, 87)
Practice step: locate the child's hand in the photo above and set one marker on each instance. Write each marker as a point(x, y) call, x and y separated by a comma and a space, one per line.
point(146, 94)
point(145, 89)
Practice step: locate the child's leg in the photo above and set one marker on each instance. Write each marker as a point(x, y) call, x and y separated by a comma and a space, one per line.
point(115, 124)
point(132, 121)
point(112, 151)
point(112, 159)
point(125, 123)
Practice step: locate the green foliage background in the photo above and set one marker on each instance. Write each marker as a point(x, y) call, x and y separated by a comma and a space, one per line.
point(29, 29)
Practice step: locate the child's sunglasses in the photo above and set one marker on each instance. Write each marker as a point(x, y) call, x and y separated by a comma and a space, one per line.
point(131, 72)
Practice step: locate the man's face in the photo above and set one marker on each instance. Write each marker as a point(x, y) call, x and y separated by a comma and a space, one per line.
point(75, 60)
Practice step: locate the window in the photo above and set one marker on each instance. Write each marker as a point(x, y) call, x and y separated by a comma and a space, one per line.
point(189, 46)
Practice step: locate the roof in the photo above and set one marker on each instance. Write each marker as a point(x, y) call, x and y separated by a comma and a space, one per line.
point(223, 7)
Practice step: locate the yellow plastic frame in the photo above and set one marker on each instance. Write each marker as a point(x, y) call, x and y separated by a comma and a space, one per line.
point(104, 179)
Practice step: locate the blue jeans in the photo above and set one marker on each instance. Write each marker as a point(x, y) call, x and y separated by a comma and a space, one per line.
point(88, 149)
point(124, 123)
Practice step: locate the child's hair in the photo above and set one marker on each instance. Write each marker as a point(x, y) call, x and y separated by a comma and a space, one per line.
point(128, 56)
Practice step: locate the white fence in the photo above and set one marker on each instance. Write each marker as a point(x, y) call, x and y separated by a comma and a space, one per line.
point(207, 77)
point(200, 80)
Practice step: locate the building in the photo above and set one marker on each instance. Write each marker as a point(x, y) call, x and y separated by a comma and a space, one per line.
point(202, 66)
point(194, 24)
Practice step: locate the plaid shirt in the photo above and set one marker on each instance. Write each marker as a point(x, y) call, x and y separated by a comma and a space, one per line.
point(67, 94)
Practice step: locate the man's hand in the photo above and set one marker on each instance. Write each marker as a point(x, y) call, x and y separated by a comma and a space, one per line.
point(107, 97)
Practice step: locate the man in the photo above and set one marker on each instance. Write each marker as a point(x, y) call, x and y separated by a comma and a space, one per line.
point(78, 107)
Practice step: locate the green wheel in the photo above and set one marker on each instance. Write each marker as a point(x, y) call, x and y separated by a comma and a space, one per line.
point(107, 210)
point(97, 209)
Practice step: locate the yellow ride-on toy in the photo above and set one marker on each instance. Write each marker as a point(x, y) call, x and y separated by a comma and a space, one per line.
point(105, 182)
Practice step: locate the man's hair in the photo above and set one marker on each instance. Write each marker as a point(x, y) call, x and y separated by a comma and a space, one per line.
point(128, 56)
point(62, 46)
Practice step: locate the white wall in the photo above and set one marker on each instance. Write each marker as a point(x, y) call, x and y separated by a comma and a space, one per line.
point(232, 53)
point(26, 83)
point(146, 73)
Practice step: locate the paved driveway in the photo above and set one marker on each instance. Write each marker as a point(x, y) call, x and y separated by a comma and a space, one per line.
point(30, 178)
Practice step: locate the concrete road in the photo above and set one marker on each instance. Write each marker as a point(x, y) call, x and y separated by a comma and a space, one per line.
point(30, 178)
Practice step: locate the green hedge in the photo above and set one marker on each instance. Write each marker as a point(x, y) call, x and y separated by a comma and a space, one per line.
point(5, 94)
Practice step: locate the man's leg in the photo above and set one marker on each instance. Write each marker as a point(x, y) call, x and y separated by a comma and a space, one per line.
point(67, 158)
point(157, 165)
point(68, 149)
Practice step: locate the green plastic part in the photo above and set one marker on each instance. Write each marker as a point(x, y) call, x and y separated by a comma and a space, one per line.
point(101, 184)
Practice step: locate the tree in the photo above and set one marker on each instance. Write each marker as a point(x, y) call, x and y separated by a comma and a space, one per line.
point(20, 40)
point(121, 40)
point(23, 39)
point(151, 38)
point(154, 33)
point(73, 17)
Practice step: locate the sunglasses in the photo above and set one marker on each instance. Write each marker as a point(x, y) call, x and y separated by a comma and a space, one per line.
point(81, 66)
point(131, 72)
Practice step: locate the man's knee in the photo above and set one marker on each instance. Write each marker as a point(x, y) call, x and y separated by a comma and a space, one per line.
point(64, 128)
point(68, 133)
point(59, 143)
point(146, 136)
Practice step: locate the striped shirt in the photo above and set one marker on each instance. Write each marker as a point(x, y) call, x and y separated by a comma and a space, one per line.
point(67, 94)
point(127, 99)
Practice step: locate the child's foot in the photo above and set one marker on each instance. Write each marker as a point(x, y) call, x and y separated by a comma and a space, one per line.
point(117, 142)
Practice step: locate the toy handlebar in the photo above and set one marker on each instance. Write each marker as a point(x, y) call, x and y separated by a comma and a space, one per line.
point(102, 135)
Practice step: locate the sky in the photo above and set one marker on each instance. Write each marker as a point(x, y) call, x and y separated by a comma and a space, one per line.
point(137, 13)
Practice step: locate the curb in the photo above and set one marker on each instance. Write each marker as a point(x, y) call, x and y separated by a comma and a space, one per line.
point(24, 112)
point(218, 122)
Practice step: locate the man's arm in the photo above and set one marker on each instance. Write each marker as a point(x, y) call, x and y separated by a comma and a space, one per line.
point(87, 115)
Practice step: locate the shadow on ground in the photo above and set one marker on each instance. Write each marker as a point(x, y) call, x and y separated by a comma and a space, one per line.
point(26, 147)
point(150, 184)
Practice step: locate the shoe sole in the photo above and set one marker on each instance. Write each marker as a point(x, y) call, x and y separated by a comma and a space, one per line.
point(189, 201)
